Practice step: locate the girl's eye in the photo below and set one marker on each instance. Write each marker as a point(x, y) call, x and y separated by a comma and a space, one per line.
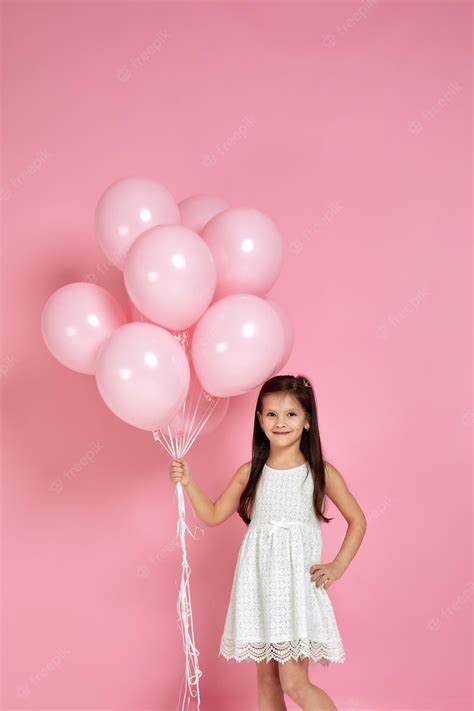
point(291, 413)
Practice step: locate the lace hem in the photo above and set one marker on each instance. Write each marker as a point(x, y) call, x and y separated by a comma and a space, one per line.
point(318, 652)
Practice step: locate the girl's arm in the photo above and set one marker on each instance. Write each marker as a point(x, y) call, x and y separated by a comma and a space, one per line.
point(337, 491)
point(210, 512)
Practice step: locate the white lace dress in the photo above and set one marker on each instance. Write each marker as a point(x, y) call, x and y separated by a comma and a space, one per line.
point(275, 610)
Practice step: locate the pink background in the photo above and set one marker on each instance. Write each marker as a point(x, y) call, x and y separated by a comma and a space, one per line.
point(348, 124)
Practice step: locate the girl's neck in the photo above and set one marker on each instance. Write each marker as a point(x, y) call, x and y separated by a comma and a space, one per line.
point(285, 460)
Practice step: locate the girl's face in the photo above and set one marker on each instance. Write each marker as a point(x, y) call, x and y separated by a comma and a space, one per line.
point(282, 419)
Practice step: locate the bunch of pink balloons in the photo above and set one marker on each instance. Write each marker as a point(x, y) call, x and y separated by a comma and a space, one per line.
point(198, 320)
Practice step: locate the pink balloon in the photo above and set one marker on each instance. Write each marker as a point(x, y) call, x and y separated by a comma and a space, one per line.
point(247, 249)
point(143, 375)
point(127, 208)
point(198, 409)
point(289, 334)
point(237, 344)
point(170, 276)
point(197, 210)
point(76, 320)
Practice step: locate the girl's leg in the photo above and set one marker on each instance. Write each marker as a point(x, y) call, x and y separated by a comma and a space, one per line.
point(270, 693)
point(295, 682)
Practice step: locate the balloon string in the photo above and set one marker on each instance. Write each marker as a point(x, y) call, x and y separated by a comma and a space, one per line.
point(191, 424)
point(177, 446)
point(202, 424)
point(160, 438)
point(183, 411)
point(195, 411)
point(173, 448)
point(184, 609)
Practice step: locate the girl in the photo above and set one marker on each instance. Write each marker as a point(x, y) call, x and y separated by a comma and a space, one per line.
point(279, 613)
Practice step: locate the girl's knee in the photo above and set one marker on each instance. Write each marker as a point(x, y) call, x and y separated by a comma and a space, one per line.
point(270, 685)
point(294, 677)
point(294, 687)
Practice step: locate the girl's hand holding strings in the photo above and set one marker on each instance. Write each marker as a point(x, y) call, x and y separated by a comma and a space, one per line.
point(180, 471)
point(324, 574)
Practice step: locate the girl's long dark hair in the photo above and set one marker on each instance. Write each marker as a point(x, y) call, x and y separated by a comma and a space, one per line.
point(310, 443)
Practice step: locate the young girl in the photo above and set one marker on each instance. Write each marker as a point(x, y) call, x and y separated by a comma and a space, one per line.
point(279, 613)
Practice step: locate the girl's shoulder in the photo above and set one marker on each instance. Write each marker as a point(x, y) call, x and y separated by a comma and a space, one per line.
point(243, 472)
point(330, 470)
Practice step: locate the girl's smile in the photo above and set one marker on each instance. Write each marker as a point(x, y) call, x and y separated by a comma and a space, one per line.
point(282, 410)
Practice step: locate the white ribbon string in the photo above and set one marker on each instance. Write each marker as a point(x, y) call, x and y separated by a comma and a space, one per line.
point(184, 610)
point(177, 447)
